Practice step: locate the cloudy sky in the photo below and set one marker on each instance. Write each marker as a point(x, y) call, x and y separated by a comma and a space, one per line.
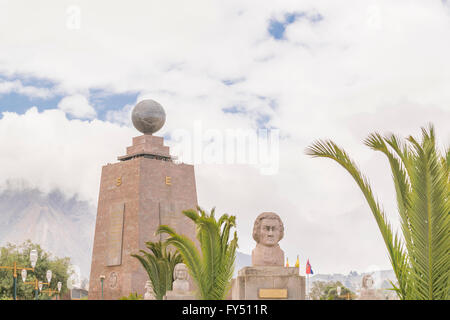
point(70, 72)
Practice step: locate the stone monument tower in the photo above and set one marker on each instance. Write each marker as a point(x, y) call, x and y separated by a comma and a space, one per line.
point(137, 194)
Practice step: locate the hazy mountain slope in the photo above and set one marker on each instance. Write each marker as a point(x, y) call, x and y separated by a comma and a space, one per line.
point(62, 226)
point(242, 260)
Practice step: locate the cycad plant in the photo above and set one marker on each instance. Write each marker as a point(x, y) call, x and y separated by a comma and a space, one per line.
point(159, 264)
point(421, 258)
point(212, 267)
point(132, 296)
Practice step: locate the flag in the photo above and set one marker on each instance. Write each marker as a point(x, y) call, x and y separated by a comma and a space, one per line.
point(297, 263)
point(287, 263)
point(308, 268)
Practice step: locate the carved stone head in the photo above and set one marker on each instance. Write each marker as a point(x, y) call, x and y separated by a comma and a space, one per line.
point(180, 272)
point(367, 281)
point(268, 229)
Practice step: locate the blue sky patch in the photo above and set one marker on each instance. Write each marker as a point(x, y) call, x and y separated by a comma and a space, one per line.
point(234, 109)
point(272, 103)
point(230, 82)
point(19, 102)
point(104, 101)
point(262, 121)
point(29, 81)
point(277, 28)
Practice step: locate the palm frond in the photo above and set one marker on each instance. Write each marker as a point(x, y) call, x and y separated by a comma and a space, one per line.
point(422, 184)
point(328, 149)
point(212, 266)
point(159, 265)
point(430, 220)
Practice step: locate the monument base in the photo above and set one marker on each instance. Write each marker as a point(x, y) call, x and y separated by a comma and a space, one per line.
point(369, 294)
point(268, 282)
point(170, 295)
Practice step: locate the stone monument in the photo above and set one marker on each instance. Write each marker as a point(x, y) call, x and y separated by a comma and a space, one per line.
point(149, 294)
point(267, 278)
point(145, 189)
point(180, 287)
point(367, 290)
point(268, 230)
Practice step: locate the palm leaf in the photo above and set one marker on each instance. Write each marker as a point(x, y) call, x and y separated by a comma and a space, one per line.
point(159, 265)
point(422, 184)
point(212, 266)
point(329, 149)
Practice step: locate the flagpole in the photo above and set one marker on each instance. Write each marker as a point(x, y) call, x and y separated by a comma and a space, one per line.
point(307, 286)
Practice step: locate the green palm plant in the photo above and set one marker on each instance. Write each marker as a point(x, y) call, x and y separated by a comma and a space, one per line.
point(132, 296)
point(211, 268)
point(420, 258)
point(159, 264)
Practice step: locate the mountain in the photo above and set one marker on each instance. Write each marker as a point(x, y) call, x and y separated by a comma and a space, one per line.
point(242, 260)
point(62, 226)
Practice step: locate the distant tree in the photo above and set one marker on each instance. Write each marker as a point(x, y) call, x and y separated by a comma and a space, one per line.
point(159, 264)
point(317, 289)
point(21, 254)
point(321, 290)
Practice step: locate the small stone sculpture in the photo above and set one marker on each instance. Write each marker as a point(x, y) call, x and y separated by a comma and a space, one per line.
point(149, 294)
point(180, 286)
point(268, 230)
point(367, 281)
point(367, 291)
point(180, 274)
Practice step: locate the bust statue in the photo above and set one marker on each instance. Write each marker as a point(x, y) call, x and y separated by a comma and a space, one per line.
point(180, 274)
point(149, 294)
point(367, 281)
point(367, 290)
point(268, 230)
point(180, 286)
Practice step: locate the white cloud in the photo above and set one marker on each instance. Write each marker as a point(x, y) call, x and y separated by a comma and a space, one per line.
point(381, 66)
point(77, 106)
point(49, 151)
point(17, 87)
point(121, 116)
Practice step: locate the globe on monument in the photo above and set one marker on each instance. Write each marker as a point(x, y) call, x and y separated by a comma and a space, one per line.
point(148, 116)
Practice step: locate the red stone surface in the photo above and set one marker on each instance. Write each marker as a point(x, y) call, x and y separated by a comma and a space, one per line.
point(149, 202)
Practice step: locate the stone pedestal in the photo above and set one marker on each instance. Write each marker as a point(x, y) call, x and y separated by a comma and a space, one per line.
point(139, 193)
point(181, 287)
point(268, 282)
point(369, 294)
point(171, 295)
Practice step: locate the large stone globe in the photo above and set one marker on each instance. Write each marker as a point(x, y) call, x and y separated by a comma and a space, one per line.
point(148, 116)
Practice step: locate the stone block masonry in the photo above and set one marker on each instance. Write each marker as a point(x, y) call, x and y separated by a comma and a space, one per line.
point(139, 193)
